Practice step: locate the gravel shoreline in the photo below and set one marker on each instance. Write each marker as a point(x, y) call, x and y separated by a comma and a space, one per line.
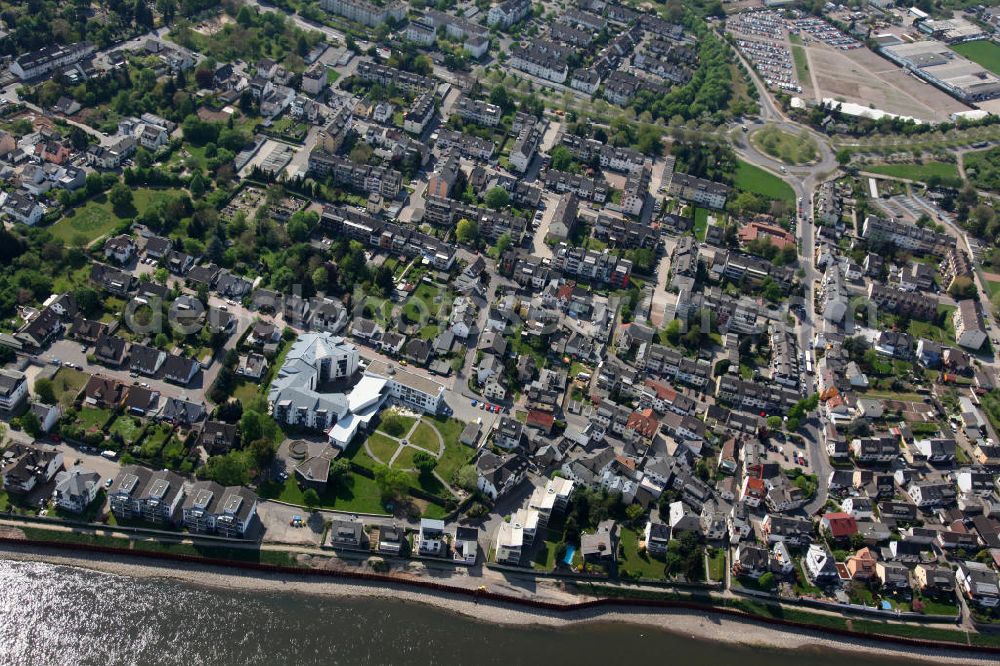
point(702, 626)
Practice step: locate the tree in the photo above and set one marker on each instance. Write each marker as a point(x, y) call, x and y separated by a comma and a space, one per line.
point(633, 512)
point(384, 280)
point(774, 422)
point(467, 477)
point(45, 391)
point(766, 581)
point(501, 98)
point(562, 159)
point(340, 471)
point(245, 17)
point(197, 185)
point(425, 464)
point(31, 424)
point(497, 198)
point(467, 231)
point(251, 427)
point(311, 498)
point(121, 200)
point(503, 242)
point(392, 483)
point(961, 288)
point(231, 469)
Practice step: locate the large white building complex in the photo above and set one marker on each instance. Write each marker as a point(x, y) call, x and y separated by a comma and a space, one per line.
point(317, 359)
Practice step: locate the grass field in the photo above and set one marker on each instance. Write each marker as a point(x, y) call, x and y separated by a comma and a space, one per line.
point(700, 223)
point(405, 458)
point(456, 454)
point(918, 172)
point(984, 52)
point(128, 427)
point(800, 58)
point(992, 287)
point(382, 447)
point(638, 563)
point(67, 384)
point(785, 146)
point(717, 565)
point(246, 391)
point(83, 225)
point(425, 437)
point(754, 179)
point(357, 493)
point(92, 418)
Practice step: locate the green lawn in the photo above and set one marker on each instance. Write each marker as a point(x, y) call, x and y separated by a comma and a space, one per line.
point(67, 384)
point(992, 287)
point(919, 172)
point(545, 557)
point(943, 332)
point(426, 301)
point(785, 146)
point(154, 442)
point(801, 63)
point(405, 458)
point(128, 427)
point(425, 437)
point(395, 425)
point(939, 607)
point(717, 565)
point(750, 178)
point(96, 218)
point(92, 418)
point(456, 454)
point(429, 332)
point(637, 563)
point(382, 447)
point(246, 391)
point(331, 76)
point(983, 52)
point(357, 493)
point(700, 223)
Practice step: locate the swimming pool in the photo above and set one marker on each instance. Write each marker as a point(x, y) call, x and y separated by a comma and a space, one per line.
point(570, 552)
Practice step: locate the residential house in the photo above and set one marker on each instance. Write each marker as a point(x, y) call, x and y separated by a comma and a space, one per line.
point(76, 489)
point(25, 466)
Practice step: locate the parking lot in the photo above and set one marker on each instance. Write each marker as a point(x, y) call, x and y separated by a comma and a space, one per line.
point(763, 40)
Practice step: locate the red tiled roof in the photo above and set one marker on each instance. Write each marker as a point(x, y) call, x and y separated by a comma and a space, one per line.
point(840, 524)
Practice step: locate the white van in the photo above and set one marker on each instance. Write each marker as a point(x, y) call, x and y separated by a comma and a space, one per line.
point(110, 455)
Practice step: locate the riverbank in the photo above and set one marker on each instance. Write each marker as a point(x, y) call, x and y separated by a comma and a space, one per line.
point(694, 624)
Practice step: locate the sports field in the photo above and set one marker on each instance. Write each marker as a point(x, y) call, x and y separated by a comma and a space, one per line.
point(984, 52)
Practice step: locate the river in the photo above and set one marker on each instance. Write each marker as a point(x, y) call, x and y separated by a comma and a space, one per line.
point(53, 614)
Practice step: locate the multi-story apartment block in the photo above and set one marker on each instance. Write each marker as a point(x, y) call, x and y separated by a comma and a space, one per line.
point(140, 493)
point(906, 236)
point(508, 13)
point(389, 76)
point(212, 508)
point(698, 190)
point(912, 304)
point(477, 111)
point(420, 113)
point(365, 12)
point(47, 59)
point(970, 331)
point(636, 191)
point(13, 391)
point(542, 58)
point(360, 177)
